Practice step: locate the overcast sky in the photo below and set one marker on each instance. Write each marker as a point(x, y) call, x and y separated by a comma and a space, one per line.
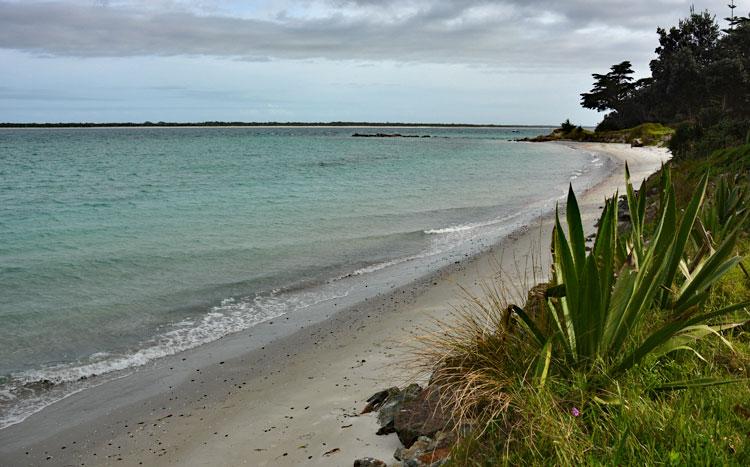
point(473, 61)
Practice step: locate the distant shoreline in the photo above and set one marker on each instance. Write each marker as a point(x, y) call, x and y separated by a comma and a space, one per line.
point(263, 125)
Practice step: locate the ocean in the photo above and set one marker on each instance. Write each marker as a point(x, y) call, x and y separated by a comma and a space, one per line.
point(119, 246)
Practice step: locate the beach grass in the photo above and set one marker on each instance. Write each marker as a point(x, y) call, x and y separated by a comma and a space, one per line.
point(544, 382)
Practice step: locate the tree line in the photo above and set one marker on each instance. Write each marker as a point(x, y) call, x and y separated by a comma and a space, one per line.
point(699, 84)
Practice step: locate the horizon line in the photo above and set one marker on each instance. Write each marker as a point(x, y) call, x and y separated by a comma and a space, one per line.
point(218, 123)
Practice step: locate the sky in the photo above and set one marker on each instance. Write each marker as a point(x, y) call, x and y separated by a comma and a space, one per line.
point(452, 61)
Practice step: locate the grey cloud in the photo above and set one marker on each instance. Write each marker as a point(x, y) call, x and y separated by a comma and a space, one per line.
point(510, 34)
point(11, 94)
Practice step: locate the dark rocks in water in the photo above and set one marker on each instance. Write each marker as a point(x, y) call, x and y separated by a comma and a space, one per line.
point(386, 135)
point(369, 462)
point(41, 385)
point(423, 415)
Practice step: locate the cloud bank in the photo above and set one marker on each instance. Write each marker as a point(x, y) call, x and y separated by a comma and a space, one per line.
point(510, 34)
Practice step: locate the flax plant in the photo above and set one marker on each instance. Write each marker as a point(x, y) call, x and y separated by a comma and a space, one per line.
point(605, 306)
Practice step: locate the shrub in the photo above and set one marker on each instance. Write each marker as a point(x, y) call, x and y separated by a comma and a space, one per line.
point(634, 299)
point(566, 126)
point(602, 302)
point(684, 138)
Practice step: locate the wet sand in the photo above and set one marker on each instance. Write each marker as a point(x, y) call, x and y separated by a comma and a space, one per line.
point(293, 396)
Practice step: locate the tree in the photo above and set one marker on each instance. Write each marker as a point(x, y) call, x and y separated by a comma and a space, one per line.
point(567, 127)
point(610, 91)
point(700, 82)
point(679, 71)
point(730, 75)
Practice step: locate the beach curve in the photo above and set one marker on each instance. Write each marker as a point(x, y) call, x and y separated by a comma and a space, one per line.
point(297, 403)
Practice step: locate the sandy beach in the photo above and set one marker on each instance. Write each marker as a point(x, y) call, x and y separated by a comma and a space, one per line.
point(293, 400)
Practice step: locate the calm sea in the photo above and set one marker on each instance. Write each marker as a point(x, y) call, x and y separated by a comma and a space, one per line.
point(120, 246)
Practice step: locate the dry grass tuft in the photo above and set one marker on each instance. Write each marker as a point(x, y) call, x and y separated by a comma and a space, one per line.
point(479, 353)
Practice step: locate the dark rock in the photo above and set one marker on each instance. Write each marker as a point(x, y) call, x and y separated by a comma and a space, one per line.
point(386, 429)
point(536, 300)
point(378, 399)
point(41, 385)
point(417, 448)
point(424, 415)
point(369, 462)
point(393, 403)
point(427, 451)
point(386, 135)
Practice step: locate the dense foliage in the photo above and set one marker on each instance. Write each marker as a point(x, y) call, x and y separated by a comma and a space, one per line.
point(625, 355)
point(599, 300)
point(700, 84)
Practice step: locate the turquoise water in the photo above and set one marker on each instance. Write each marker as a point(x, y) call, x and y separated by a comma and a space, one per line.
point(119, 246)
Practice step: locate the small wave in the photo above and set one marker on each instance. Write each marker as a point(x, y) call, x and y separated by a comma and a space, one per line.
point(22, 396)
point(458, 228)
point(473, 226)
point(379, 266)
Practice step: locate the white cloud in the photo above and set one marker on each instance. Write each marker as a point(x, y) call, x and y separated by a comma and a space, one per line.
point(525, 34)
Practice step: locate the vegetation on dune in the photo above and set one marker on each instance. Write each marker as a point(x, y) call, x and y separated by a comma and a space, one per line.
point(598, 302)
point(636, 349)
point(645, 134)
point(613, 351)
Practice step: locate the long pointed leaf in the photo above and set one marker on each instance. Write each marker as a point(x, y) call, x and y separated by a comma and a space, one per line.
point(683, 234)
point(716, 266)
point(575, 229)
point(666, 332)
point(566, 273)
point(533, 328)
point(692, 334)
point(565, 340)
point(542, 366)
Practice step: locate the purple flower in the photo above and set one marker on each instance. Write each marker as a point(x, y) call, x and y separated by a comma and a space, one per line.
point(575, 412)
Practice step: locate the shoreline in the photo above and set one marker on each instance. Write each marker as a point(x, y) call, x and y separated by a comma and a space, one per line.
point(250, 408)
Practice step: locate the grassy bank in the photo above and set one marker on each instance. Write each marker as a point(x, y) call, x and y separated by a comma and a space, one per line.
point(636, 351)
point(645, 134)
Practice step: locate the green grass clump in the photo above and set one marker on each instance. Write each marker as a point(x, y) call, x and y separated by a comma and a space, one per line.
point(699, 426)
point(602, 305)
point(646, 134)
point(649, 134)
point(611, 362)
